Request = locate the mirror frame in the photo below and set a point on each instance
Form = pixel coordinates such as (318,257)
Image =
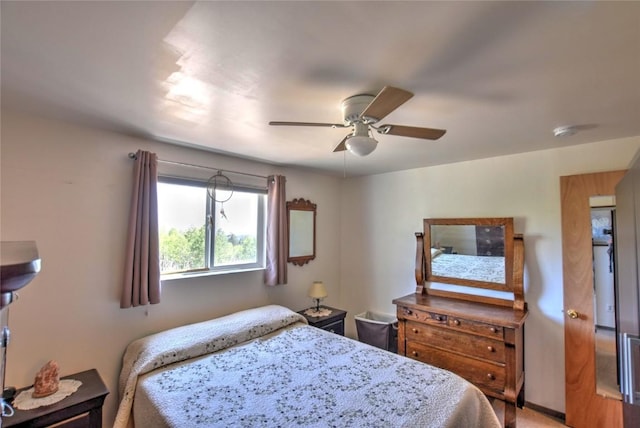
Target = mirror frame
(300,205)
(508,251)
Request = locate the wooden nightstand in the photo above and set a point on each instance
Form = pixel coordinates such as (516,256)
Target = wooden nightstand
(334,322)
(83,408)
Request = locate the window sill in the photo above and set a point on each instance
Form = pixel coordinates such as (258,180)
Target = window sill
(180,276)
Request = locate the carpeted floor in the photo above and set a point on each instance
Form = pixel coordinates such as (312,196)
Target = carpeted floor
(527,418)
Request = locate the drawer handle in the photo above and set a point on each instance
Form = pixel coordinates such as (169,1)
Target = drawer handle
(437,318)
(491,348)
(494,330)
(407,311)
(490,376)
(414,353)
(415,330)
(456,322)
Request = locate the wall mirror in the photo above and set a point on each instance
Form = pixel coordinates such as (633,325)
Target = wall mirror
(301,218)
(476,252)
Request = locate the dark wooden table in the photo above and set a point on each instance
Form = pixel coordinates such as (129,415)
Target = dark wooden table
(334,322)
(83,408)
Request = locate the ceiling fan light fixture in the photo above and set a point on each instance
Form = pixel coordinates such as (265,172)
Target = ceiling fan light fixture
(361,145)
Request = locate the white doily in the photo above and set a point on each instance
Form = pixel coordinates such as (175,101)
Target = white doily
(24,400)
(323,312)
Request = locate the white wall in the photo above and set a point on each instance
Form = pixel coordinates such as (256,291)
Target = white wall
(68,188)
(381,213)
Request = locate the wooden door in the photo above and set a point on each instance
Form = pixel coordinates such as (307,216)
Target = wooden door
(584,408)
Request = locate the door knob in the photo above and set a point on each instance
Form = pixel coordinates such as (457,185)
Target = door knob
(572,313)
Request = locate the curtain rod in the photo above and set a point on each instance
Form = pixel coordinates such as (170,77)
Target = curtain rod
(133,156)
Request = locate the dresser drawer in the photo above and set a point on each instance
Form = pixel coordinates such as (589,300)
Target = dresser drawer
(483,374)
(487,330)
(428,317)
(444,338)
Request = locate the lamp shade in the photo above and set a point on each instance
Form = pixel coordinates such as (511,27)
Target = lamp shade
(318,290)
(361,145)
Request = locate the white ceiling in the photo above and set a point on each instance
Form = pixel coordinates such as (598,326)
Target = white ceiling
(499,76)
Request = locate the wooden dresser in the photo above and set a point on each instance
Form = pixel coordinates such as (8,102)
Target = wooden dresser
(479,338)
(483,343)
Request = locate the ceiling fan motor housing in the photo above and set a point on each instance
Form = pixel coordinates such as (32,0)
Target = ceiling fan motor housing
(353,107)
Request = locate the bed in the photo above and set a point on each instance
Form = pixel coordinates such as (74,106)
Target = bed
(478,268)
(265,367)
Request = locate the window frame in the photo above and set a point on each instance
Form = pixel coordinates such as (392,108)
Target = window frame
(210,228)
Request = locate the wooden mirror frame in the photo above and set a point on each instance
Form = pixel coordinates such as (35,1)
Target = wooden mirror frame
(513,254)
(306,206)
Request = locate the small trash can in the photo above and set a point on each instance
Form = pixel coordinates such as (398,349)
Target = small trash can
(379,330)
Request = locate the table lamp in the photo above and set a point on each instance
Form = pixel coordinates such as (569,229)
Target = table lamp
(318,292)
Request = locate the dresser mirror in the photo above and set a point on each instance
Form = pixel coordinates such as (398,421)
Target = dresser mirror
(301,219)
(476,252)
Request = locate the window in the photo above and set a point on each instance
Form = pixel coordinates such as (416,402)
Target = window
(198,234)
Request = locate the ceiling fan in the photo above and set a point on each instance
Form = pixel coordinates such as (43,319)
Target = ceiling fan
(362,112)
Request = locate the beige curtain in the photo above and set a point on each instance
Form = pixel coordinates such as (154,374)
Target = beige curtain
(142,265)
(277,231)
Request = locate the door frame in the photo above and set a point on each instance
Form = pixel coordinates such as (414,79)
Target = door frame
(584,408)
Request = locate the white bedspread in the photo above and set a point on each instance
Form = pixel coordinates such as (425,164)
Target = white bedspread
(303,376)
(191,341)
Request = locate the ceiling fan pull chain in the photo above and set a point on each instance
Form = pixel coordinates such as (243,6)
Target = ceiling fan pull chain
(344,164)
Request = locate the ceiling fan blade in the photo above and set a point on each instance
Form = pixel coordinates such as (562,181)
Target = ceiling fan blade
(341,146)
(327,125)
(387,100)
(412,131)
